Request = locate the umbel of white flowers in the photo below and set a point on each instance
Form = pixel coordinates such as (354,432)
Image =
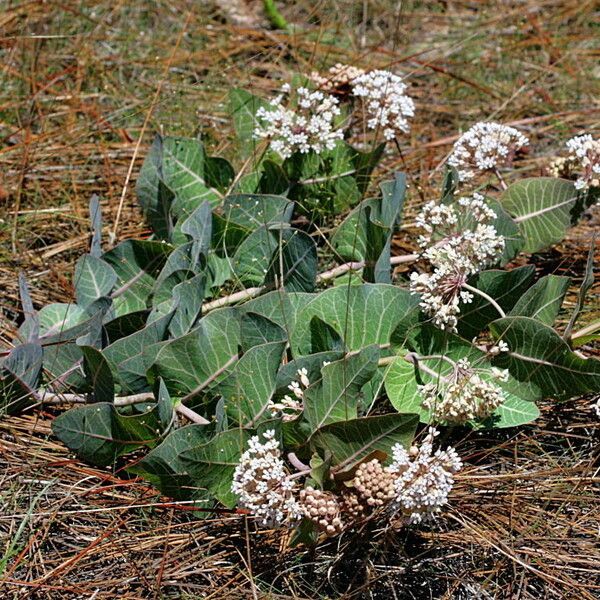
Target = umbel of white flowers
(311,126)
(485,147)
(424,478)
(584,151)
(415,485)
(386,104)
(459,240)
(262,482)
(464,394)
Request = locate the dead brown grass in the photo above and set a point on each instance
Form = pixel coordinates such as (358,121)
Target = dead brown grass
(84,86)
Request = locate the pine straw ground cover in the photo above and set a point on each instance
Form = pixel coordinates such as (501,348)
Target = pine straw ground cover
(84,86)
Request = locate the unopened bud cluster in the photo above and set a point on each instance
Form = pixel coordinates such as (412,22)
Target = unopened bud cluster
(458,241)
(374,483)
(323,509)
(338,79)
(485,147)
(416,485)
(464,395)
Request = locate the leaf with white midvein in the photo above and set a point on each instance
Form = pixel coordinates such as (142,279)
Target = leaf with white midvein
(251,383)
(360,314)
(211,465)
(335,397)
(93,279)
(541,207)
(543,300)
(348,442)
(183,172)
(538,355)
(188,361)
(505,287)
(137,264)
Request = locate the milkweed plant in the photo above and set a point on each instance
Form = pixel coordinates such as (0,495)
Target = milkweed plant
(259,353)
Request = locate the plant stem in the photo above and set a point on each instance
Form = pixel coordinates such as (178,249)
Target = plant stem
(500,179)
(190,414)
(51,398)
(587,330)
(275,17)
(466,286)
(297,463)
(338,271)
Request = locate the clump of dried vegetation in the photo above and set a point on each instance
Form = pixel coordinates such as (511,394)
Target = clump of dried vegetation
(84,86)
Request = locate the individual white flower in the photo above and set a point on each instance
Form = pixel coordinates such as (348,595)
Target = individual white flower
(498,348)
(585,152)
(288,408)
(458,241)
(308,127)
(463,395)
(295,388)
(263,485)
(386,105)
(596,407)
(485,147)
(303,375)
(424,478)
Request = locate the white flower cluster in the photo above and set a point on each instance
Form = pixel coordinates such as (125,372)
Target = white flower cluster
(263,485)
(485,147)
(338,79)
(386,104)
(464,395)
(457,243)
(311,126)
(423,478)
(290,407)
(585,151)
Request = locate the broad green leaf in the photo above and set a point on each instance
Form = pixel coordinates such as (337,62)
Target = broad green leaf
(154,196)
(242,108)
(183,171)
(211,465)
(57,318)
(586,285)
(538,355)
(128,359)
(198,227)
(505,287)
(163,466)
(279,306)
(360,314)
(93,279)
(312,363)
(125,325)
(137,264)
(29,330)
(19,377)
(404,395)
(98,375)
(98,433)
(366,233)
(335,397)
(251,383)
(252,211)
(273,179)
(348,442)
(256,329)
(541,207)
(188,361)
(187,305)
(253,257)
(506,227)
(543,300)
(96,226)
(295,262)
(218,173)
